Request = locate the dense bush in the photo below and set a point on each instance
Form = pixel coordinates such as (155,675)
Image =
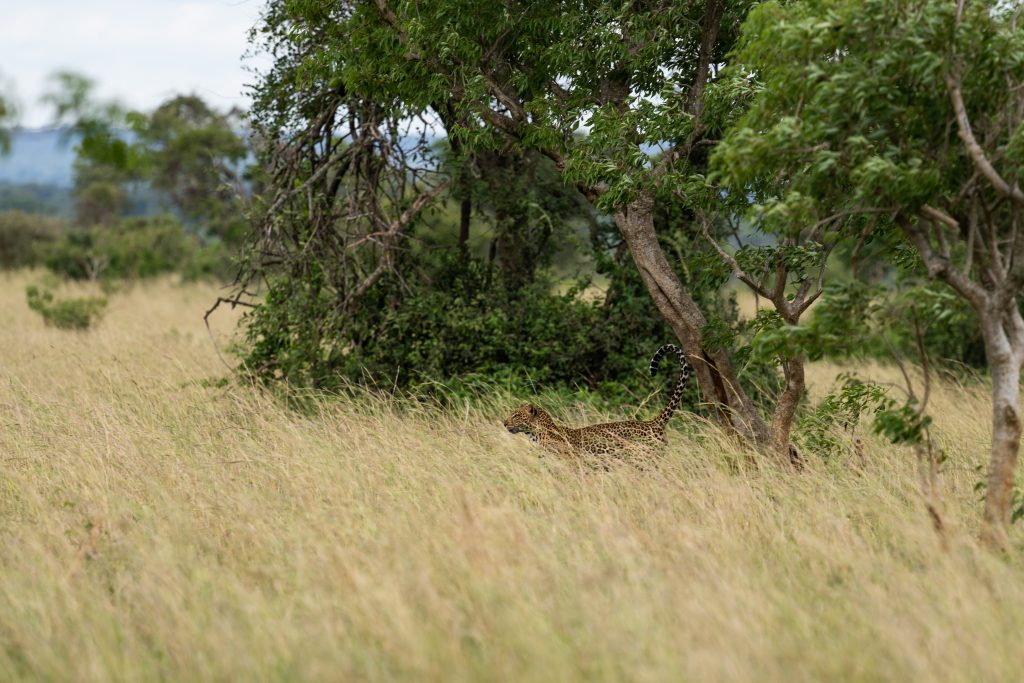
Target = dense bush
(69,314)
(23,236)
(134,248)
(460,324)
(458,327)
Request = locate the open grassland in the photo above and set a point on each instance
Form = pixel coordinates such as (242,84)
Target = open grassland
(153,526)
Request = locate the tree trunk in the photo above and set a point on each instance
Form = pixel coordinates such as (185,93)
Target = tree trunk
(928,480)
(465,216)
(785,410)
(719,384)
(1004,363)
(518,244)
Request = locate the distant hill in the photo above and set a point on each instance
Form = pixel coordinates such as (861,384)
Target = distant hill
(38,156)
(54,200)
(37,176)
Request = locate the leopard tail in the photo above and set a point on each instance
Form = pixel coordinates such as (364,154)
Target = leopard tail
(684,378)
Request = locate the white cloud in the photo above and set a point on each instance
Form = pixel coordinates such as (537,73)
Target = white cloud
(139,51)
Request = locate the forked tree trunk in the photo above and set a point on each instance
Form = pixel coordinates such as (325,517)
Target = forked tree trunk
(716,376)
(1004,362)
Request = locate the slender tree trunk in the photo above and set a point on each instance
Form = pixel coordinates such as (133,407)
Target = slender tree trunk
(1004,363)
(928,480)
(718,380)
(785,410)
(465,216)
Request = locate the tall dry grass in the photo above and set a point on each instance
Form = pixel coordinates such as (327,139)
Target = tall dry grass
(153,527)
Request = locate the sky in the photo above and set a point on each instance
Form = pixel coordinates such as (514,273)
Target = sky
(138,51)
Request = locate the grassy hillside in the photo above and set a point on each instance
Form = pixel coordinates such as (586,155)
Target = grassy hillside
(154,527)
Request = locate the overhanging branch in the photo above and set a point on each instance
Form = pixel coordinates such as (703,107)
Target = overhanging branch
(977,154)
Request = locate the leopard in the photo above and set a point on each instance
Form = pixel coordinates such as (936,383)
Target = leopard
(607,439)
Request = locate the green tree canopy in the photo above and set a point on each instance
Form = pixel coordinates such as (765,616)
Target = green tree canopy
(184,149)
(912,112)
(195,154)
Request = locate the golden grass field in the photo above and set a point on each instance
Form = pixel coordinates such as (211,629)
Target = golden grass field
(156,528)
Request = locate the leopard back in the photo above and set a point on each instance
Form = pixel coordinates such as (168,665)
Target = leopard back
(606,438)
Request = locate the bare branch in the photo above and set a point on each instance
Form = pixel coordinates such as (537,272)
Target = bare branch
(941,268)
(778,295)
(934,214)
(709,36)
(234,301)
(981,161)
(860,211)
(802,307)
(996,265)
(923,355)
(740,274)
(972,230)
(908,387)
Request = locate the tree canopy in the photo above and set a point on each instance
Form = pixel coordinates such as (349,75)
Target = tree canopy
(913,114)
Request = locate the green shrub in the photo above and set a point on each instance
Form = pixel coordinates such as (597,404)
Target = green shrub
(448,322)
(24,235)
(459,324)
(67,314)
(820,428)
(135,248)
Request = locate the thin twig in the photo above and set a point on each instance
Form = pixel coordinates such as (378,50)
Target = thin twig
(206,319)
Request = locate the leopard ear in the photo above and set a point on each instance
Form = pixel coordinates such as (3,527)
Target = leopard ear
(533,410)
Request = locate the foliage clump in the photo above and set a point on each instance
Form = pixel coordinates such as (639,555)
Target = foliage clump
(67,314)
(23,236)
(821,429)
(843,409)
(134,248)
(459,323)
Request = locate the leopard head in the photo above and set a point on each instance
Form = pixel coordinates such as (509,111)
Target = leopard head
(528,419)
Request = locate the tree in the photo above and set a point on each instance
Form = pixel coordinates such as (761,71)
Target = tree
(913,111)
(105,161)
(343,188)
(22,235)
(184,149)
(194,154)
(532,76)
(99,194)
(789,273)
(93,121)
